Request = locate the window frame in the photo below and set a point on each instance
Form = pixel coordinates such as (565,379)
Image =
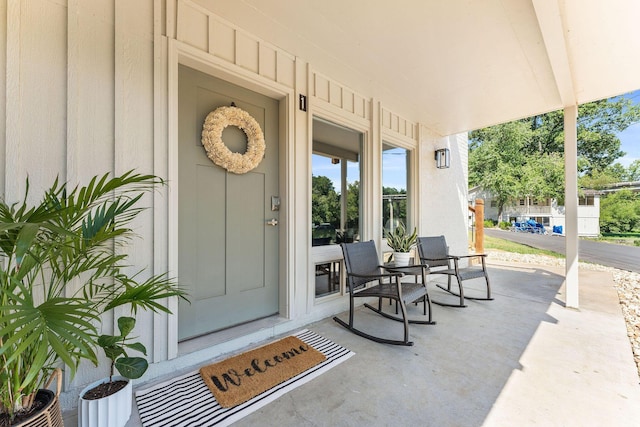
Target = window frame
(329,253)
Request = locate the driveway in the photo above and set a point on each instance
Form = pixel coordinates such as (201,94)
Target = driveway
(609,254)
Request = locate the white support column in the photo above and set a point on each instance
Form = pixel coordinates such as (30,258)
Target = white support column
(343,194)
(571,204)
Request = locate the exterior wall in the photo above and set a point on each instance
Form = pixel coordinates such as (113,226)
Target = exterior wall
(443,192)
(78,100)
(90,88)
(589,219)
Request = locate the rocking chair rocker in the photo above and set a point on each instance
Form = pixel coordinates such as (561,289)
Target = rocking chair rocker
(435,252)
(362,267)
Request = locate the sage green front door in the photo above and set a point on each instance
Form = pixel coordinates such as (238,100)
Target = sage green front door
(228,232)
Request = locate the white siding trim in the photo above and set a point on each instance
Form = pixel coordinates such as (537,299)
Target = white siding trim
(338,98)
(162,343)
(207,32)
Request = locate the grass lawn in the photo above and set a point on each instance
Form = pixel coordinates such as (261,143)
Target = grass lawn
(508,246)
(631,239)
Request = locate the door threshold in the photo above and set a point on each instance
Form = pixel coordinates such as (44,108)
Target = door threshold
(233,333)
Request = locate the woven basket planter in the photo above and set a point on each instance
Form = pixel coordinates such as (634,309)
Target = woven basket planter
(50,415)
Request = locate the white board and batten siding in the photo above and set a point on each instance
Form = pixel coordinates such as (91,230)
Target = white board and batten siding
(90,89)
(79,102)
(203,30)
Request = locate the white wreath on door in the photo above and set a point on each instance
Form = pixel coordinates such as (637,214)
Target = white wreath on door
(218,152)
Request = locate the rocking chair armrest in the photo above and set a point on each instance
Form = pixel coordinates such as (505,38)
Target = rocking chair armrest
(405,267)
(377,275)
(472,256)
(447,258)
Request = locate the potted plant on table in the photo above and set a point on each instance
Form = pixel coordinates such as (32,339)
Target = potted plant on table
(401,242)
(62,265)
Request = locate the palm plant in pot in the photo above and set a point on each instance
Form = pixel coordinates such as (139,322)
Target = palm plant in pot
(401,242)
(62,264)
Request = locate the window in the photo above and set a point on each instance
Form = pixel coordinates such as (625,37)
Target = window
(335,193)
(540,202)
(335,198)
(494,203)
(395,197)
(521,202)
(586,201)
(544,220)
(327,279)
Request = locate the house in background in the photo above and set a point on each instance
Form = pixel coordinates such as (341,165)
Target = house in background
(546,212)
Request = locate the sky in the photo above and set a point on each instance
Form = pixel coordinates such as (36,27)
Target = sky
(394,169)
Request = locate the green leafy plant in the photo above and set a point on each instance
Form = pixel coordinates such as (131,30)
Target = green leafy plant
(504,225)
(399,240)
(63,263)
(115,348)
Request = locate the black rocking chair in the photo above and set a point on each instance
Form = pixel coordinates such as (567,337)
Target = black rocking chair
(362,268)
(435,252)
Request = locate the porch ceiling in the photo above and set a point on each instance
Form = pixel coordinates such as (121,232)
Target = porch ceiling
(461,64)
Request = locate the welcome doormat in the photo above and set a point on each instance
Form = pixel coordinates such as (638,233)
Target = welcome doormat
(236,380)
(187,401)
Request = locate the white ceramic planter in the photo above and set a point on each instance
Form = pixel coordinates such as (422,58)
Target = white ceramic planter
(111,411)
(401,258)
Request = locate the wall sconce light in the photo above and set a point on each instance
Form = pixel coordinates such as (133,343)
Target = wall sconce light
(443,158)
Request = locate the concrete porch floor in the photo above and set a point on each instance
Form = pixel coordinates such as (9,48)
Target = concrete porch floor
(522,359)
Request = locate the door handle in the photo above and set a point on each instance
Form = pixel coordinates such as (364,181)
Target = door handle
(272,222)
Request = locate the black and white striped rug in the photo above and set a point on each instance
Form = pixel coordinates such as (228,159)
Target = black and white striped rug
(186,400)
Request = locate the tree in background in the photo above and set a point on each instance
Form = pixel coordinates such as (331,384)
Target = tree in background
(399,206)
(598,180)
(633,171)
(599,123)
(353,206)
(526,157)
(620,212)
(543,176)
(325,201)
(497,158)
